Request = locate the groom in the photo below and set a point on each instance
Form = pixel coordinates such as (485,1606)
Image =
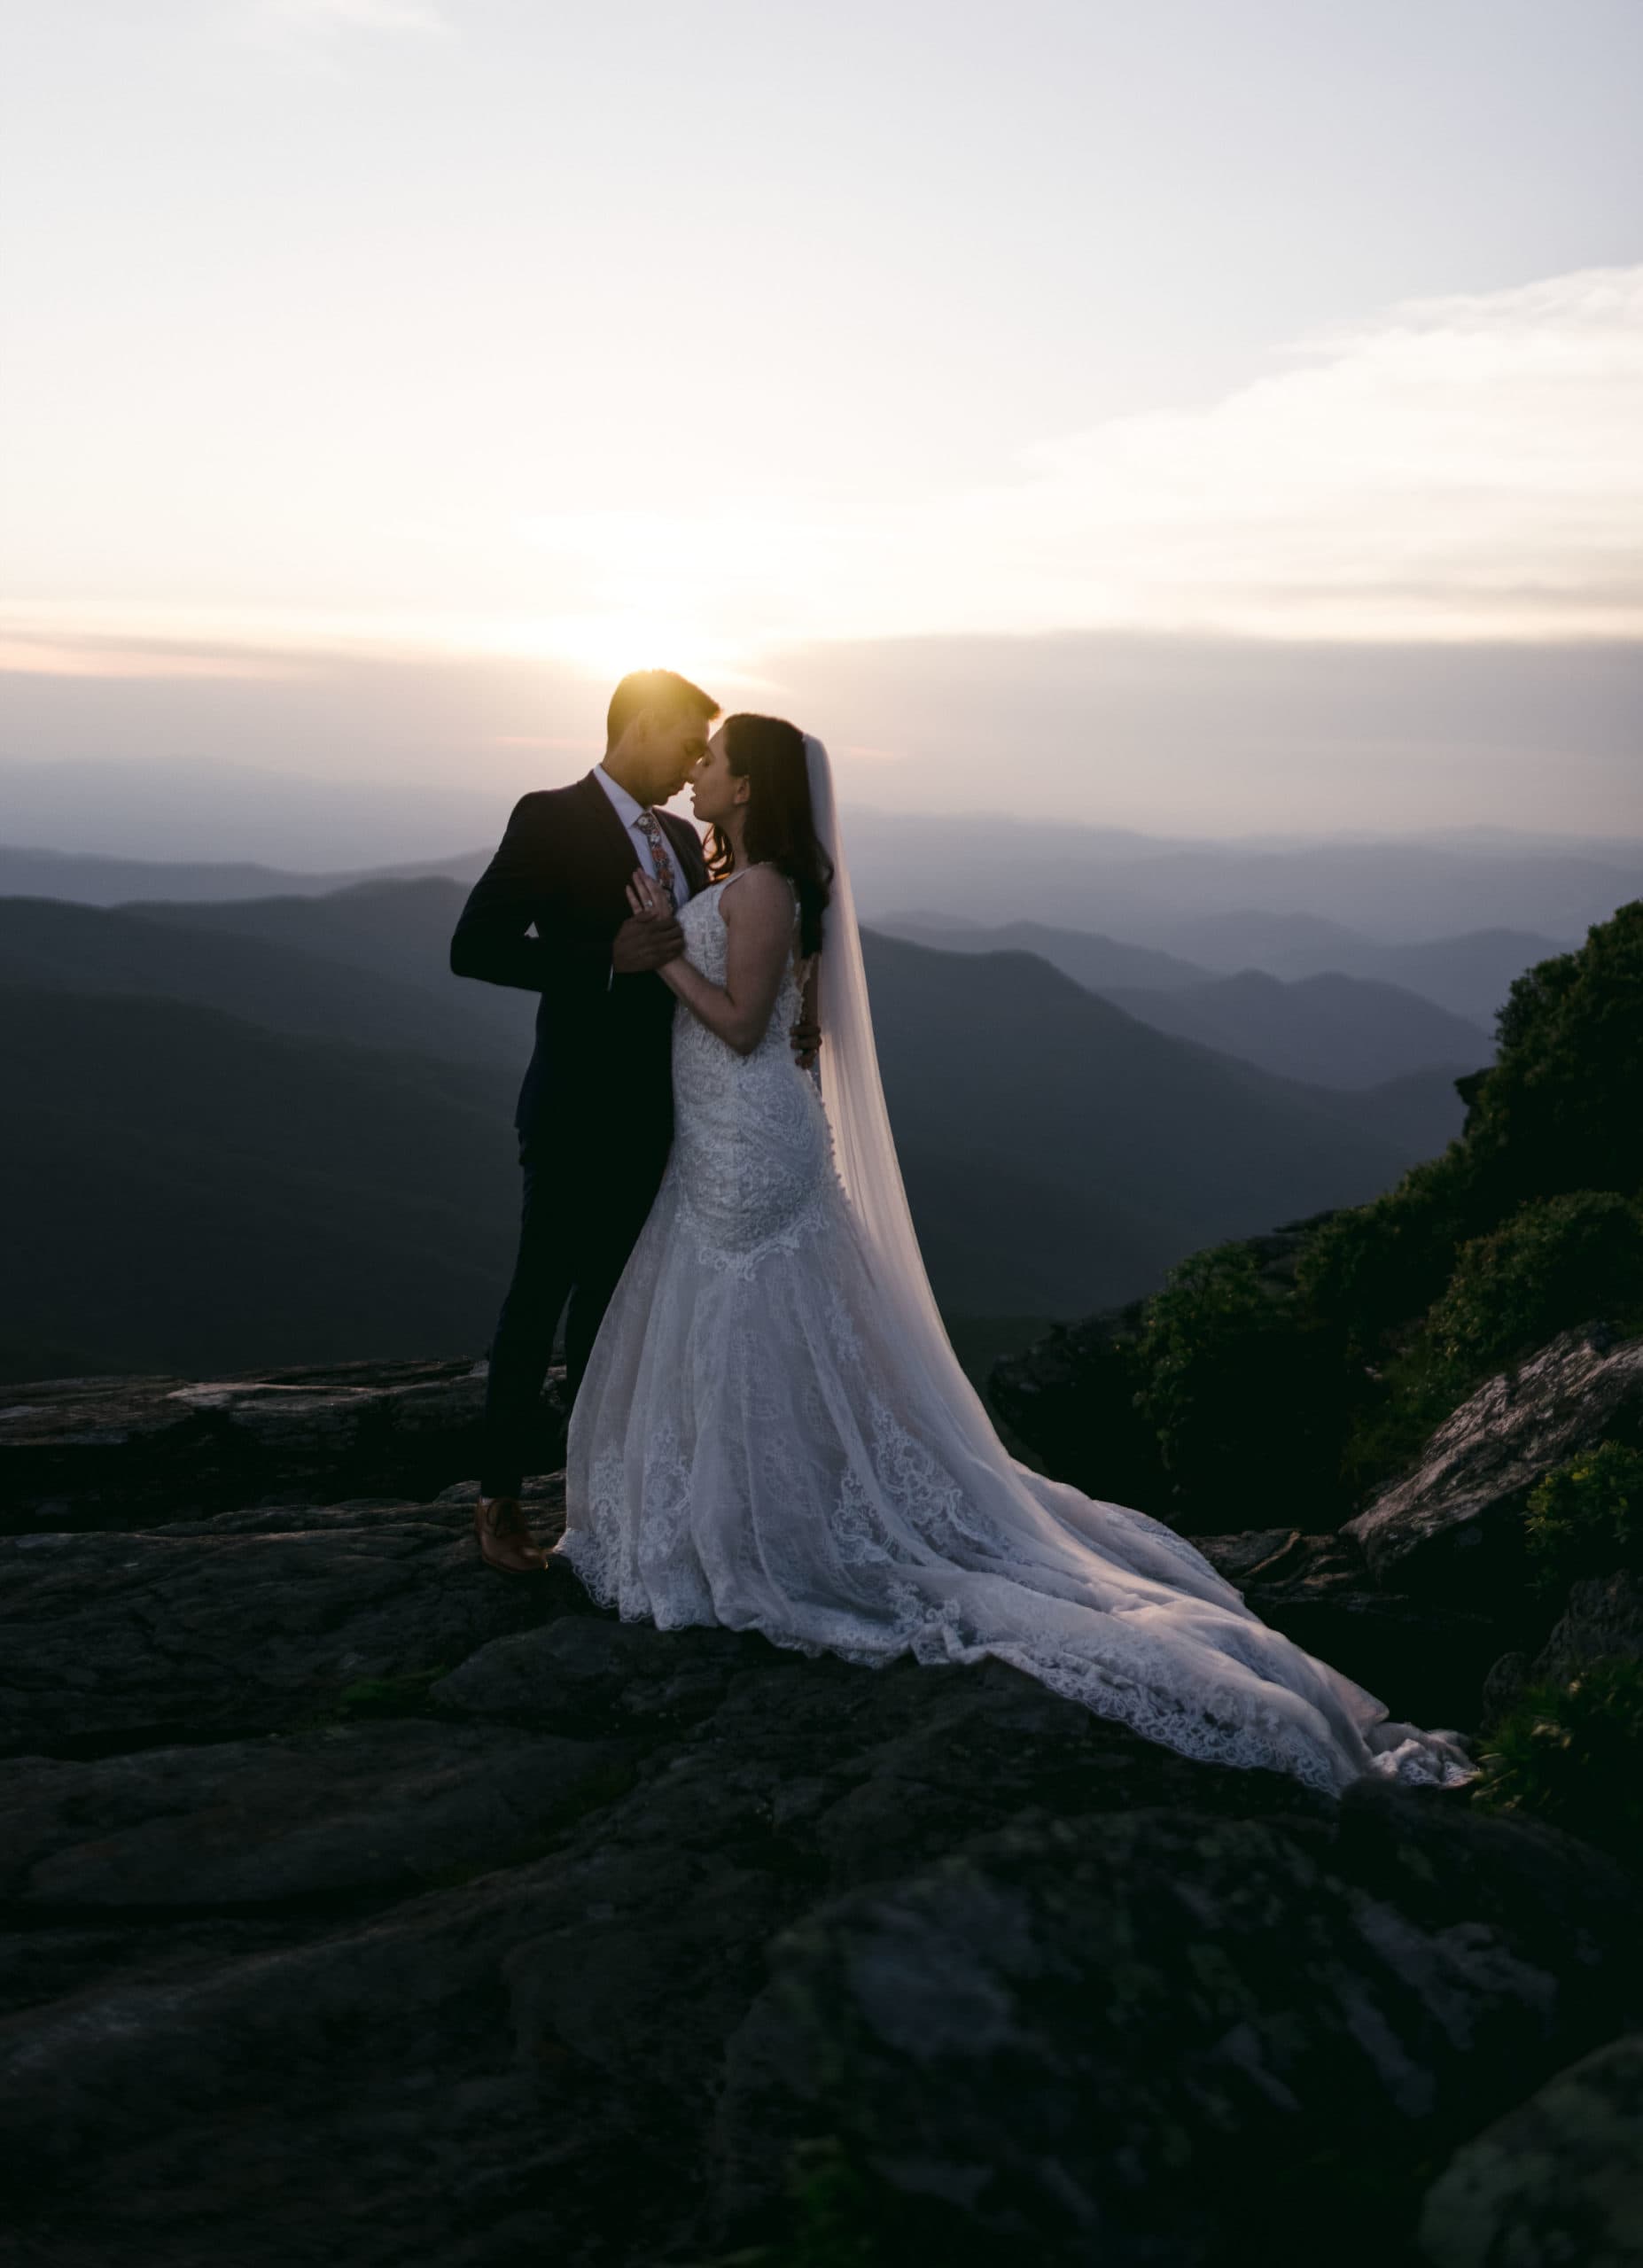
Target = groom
(595,1114)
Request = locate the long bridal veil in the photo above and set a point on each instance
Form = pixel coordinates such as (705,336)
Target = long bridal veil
(852,1096)
(1145,1577)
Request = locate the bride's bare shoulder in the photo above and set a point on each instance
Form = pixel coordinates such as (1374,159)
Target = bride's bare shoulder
(756,894)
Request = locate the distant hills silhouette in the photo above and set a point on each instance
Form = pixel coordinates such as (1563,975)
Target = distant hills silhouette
(196,1192)
(1231,906)
(1296,908)
(278,1129)
(254,1118)
(285,987)
(1049,1137)
(1339,1030)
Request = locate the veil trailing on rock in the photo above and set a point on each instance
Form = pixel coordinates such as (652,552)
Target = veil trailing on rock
(1045,1522)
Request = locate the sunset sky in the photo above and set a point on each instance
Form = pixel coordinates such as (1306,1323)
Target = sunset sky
(1238,401)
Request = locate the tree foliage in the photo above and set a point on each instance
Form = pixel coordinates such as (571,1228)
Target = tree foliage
(1556,1262)
(1586,1518)
(1230,1361)
(1276,1395)
(1559,1111)
(1573,1755)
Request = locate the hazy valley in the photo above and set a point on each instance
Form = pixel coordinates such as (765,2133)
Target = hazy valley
(261,1121)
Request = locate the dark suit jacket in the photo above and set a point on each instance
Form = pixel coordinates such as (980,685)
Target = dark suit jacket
(601,1071)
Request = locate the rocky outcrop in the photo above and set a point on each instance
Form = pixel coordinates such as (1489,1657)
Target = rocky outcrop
(1558,2183)
(1451,1530)
(256,1621)
(91,1453)
(365,1810)
(1098,2038)
(1602,1621)
(361,1904)
(1425,1660)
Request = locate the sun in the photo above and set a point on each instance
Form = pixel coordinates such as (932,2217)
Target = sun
(626,590)
(611,642)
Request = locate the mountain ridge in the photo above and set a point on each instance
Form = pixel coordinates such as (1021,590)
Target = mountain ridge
(207,1186)
(1000,869)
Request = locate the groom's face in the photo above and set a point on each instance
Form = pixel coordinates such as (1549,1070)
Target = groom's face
(671,748)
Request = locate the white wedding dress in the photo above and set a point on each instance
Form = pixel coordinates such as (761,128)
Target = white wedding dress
(773,1434)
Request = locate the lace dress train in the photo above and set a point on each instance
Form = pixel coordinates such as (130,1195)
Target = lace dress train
(754,1445)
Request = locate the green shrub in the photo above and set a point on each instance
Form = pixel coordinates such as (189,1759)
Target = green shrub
(1586,1518)
(1562,1109)
(1527,1017)
(1284,1400)
(1073,1405)
(1391,1428)
(1372,1269)
(1573,1755)
(1559,1113)
(1561,1261)
(1246,1396)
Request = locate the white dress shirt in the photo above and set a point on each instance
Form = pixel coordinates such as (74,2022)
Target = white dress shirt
(627,809)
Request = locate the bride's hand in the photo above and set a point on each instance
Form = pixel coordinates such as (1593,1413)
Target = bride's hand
(651,938)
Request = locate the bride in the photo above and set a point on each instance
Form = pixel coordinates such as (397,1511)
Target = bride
(773,1432)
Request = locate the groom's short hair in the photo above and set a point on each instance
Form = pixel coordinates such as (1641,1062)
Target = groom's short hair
(662,690)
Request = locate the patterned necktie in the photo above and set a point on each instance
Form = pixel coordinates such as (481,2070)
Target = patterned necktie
(650,827)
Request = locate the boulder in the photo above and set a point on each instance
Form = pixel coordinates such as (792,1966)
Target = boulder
(1503,1689)
(1451,1530)
(1128,2038)
(1557,2183)
(1602,1622)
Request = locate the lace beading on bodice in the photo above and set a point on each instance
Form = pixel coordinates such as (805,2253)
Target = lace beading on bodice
(752,1155)
(707,946)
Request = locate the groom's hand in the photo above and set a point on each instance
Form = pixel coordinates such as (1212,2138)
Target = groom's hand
(805,1037)
(645,942)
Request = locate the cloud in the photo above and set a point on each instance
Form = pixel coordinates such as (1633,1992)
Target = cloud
(1463,468)
(1468,466)
(76,656)
(1468,469)
(299,22)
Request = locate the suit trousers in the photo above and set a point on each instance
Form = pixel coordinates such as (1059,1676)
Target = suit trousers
(580,1218)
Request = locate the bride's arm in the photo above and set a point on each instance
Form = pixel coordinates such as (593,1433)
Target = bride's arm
(758,915)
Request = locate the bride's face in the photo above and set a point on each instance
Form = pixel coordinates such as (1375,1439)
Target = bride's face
(716,790)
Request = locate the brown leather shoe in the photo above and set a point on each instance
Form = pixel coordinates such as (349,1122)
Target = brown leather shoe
(504,1536)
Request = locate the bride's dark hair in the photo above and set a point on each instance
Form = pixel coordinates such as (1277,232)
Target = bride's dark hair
(769,754)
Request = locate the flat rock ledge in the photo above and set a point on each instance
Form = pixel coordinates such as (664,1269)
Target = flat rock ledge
(362,1905)
(115,1452)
